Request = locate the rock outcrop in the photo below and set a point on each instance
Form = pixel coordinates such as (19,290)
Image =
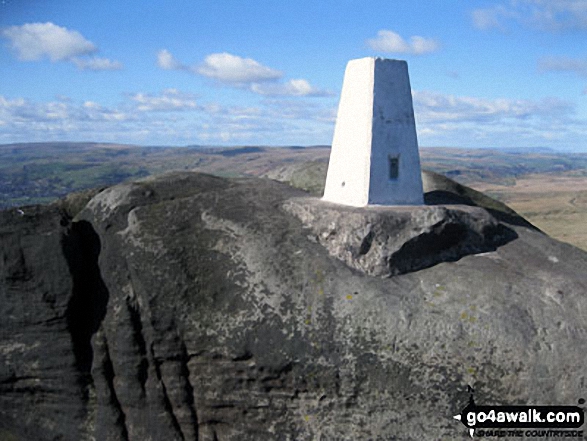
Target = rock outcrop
(190,307)
(387,241)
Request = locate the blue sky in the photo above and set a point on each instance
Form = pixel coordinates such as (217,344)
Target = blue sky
(500,73)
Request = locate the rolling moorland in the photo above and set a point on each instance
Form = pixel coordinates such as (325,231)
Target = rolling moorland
(546,187)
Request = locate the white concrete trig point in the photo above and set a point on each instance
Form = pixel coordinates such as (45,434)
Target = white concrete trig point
(374,157)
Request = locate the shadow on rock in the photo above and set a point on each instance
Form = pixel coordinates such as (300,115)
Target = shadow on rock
(448,241)
(89,300)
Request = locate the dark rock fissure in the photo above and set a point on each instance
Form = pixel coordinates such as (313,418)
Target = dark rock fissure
(366,243)
(13,379)
(137,330)
(166,401)
(114,401)
(185,372)
(87,307)
(443,237)
(17,270)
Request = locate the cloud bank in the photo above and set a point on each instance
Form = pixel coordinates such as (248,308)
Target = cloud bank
(177,117)
(437,107)
(481,122)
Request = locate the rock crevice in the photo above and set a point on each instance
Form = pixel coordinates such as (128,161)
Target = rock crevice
(88,303)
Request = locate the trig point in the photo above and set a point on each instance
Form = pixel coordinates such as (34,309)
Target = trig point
(374,157)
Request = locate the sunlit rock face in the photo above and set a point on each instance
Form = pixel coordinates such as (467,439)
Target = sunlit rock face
(374,157)
(190,307)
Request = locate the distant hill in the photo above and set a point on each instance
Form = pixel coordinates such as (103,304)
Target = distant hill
(43,172)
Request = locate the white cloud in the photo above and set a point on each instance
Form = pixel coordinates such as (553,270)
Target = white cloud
(297,87)
(389,41)
(490,18)
(550,15)
(169,100)
(166,61)
(563,64)
(232,69)
(33,41)
(96,64)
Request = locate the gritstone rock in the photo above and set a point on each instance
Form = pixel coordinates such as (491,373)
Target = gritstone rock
(190,307)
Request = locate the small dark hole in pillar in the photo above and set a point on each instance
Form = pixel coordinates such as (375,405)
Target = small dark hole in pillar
(342,185)
(393,167)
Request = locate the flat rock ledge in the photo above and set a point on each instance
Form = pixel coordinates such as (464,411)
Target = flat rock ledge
(386,241)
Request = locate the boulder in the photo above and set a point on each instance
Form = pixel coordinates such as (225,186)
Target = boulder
(191,307)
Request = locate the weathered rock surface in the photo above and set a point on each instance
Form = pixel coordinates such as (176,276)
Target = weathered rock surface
(189,307)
